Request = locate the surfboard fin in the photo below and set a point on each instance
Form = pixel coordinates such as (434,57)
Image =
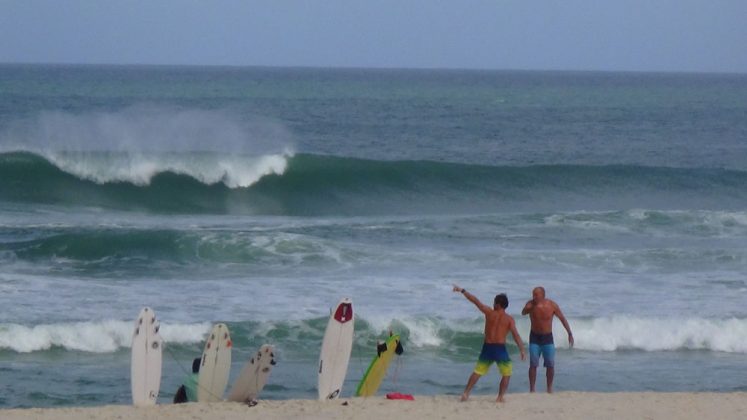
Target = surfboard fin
(380,348)
(399,350)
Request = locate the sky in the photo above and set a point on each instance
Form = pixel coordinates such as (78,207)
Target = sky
(611,35)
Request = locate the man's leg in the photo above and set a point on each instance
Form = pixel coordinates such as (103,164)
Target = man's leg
(532,377)
(470,383)
(534,354)
(548,354)
(506,369)
(502,388)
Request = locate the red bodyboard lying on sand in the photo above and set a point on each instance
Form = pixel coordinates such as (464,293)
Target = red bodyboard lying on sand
(398,396)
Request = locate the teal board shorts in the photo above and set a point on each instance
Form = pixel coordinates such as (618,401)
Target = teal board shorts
(541,345)
(494,353)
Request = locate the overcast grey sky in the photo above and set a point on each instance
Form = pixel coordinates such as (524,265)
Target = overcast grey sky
(639,35)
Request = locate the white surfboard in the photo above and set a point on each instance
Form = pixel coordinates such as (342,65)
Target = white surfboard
(215,365)
(145,366)
(253,376)
(336,347)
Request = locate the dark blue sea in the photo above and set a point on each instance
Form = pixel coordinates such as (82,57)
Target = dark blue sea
(259,197)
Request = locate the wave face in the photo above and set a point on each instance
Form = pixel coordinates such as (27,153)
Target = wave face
(280,184)
(449,338)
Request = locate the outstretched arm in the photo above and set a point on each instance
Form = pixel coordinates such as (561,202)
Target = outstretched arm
(472,298)
(517,339)
(564,321)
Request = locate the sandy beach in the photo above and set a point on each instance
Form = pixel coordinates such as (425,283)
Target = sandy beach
(564,405)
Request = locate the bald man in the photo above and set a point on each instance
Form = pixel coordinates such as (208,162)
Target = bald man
(541,312)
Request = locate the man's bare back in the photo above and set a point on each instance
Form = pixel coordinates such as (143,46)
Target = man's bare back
(497,326)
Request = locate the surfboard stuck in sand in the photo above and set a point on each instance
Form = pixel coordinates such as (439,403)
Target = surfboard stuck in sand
(145,364)
(215,365)
(336,347)
(254,375)
(376,371)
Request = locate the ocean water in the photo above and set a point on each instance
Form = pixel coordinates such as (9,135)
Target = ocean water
(260,196)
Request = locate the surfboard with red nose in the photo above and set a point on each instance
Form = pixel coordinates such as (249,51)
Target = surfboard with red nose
(336,347)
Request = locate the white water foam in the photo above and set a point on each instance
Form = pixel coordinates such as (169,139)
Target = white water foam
(584,221)
(709,223)
(422,331)
(600,334)
(95,337)
(139,169)
(654,334)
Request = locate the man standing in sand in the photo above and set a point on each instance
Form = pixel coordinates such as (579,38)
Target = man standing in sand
(541,312)
(497,325)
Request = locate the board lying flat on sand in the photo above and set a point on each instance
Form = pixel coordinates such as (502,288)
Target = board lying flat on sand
(145,365)
(377,369)
(253,376)
(215,365)
(336,347)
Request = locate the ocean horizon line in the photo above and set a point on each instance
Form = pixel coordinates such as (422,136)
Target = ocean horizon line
(569,71)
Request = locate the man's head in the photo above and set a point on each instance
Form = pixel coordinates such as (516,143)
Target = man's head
(501,301)
(538,294)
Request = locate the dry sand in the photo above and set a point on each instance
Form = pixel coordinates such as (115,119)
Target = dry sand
(564,405)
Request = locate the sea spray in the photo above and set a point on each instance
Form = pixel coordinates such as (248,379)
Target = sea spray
(147,128)
(136,143)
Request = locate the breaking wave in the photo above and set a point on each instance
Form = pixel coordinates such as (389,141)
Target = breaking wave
(281,184)
(450,338)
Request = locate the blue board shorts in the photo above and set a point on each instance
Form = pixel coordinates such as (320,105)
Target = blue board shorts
(494,353)
(541,345)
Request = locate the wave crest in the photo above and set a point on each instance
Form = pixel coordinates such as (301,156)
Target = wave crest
(95,337)
(140,169)
(452,338)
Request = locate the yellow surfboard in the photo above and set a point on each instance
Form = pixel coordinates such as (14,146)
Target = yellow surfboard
(377,369)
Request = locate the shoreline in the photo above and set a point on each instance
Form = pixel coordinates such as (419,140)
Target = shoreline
(561,405)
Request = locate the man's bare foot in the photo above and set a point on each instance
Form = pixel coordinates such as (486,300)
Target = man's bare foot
(500,399)
(464,397)
(549,390)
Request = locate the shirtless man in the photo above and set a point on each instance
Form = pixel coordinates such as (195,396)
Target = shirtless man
(541,312)
(497,325)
